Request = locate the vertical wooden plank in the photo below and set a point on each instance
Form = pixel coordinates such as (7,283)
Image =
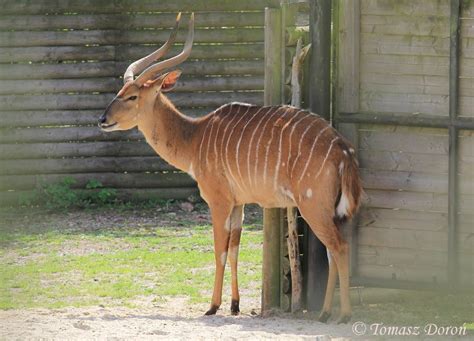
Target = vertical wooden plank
(453,142)
(319,102)
(348,51)
(320,57)
(347,47)
(271,217)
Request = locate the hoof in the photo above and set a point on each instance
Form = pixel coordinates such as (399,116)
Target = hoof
(234,307)
(324,316)
(212,310)
(344,319)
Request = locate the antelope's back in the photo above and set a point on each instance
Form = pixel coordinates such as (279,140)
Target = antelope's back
(261,149)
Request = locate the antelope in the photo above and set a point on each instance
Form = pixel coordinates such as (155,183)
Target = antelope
(276,156)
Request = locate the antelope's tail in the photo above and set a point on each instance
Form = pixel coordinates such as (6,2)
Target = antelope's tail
(351,187)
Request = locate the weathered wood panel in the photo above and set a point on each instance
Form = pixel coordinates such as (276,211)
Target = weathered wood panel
(116,69)
(65,134)
(401,238)
(402,257)
(407,200)
(84,165)
(404,67)
(465,219)
(186,84)
(62,62)
(404,57)
(466,61)
(413,140)
(124,6)
(406,181)
(126,21)
(106,37)
(97,101)
(416,274)
(111,180)
(123,52)
(49,118)
(75,149)
(403,225)
(420,8)
(403,219)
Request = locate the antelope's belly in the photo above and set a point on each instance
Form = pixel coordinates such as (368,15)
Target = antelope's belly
(266,197)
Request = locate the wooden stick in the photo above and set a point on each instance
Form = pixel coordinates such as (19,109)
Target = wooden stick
(295,262)
(293,247)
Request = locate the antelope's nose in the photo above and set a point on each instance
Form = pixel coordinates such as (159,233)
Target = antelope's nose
(102,120)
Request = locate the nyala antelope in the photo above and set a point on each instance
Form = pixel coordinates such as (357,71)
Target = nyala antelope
(276,156)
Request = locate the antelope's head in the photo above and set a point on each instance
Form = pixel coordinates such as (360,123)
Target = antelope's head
(137,93)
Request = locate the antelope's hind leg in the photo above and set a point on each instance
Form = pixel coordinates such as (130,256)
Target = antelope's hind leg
(320,219)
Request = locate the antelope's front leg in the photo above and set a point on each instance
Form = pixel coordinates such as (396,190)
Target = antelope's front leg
(221,229)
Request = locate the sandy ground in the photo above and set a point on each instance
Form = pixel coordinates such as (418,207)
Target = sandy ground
(176,319)
(173,320)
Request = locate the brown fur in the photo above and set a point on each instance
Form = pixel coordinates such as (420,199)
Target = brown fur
(275,156)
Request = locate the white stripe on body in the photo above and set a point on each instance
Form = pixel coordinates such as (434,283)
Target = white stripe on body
(237,148)
(251,140)
(326,157)
(210,140)
(265,164)
(277,166)
(291,136)
(301,143)
(258,144)
(311,153)
(227,151)
(203,137)
(215,138)
(221,154)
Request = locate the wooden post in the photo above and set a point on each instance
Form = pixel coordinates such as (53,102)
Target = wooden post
(454,49)
(319,102)
(271,217)
(347,48)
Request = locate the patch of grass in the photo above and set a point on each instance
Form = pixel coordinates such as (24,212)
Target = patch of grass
(57,268)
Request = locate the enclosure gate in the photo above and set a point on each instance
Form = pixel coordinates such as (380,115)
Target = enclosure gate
(402,91)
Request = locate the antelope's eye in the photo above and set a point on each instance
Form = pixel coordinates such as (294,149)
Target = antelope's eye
(132,98)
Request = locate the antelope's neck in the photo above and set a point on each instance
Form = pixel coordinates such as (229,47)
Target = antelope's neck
(170,133)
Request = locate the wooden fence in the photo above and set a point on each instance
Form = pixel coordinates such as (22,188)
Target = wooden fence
(61,62)
(402,90)
(406,78)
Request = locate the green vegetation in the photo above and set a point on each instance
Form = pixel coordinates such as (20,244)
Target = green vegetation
(113,265)
(140,256)
(61,195)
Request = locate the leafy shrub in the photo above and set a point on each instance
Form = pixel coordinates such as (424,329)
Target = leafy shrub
(98,194)
(58,195)
(61,195)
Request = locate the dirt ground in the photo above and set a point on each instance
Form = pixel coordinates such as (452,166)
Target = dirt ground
(175,320)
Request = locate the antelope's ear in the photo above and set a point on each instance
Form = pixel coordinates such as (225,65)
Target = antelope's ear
(165,82)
